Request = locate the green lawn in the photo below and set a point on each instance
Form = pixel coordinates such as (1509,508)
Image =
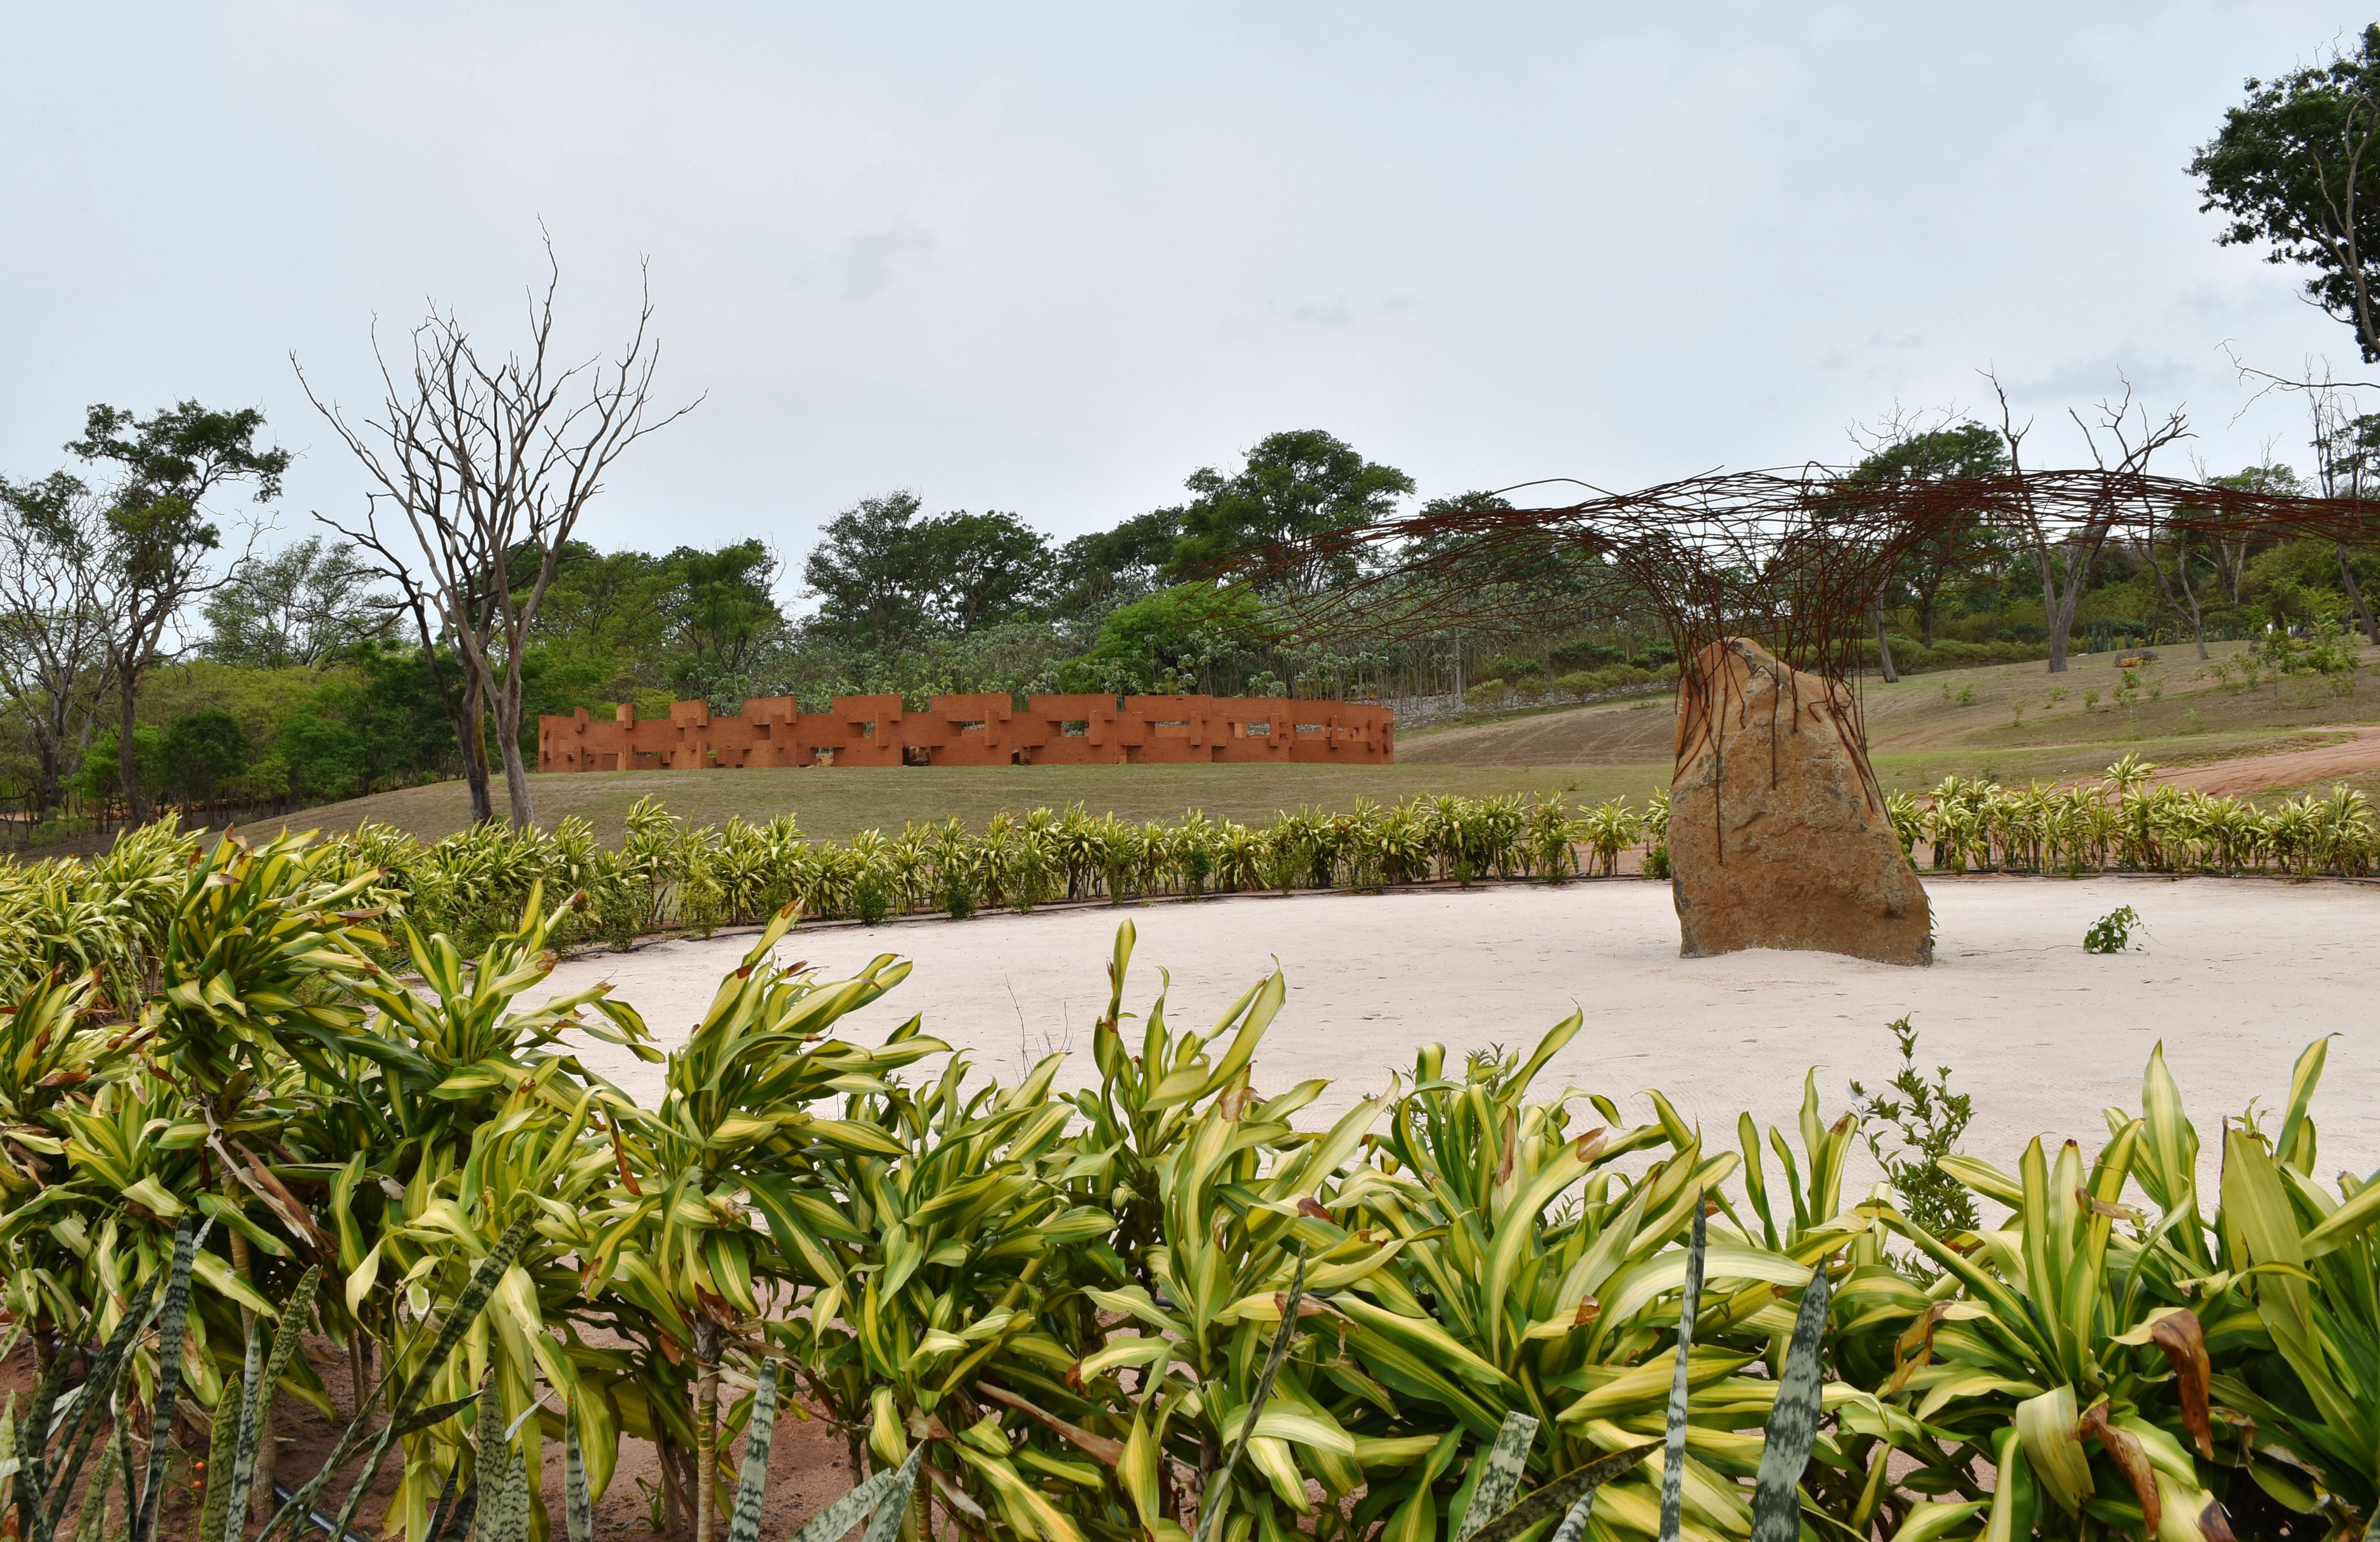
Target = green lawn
(837,804)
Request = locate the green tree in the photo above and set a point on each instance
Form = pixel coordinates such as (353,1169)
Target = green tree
(2288,171)
(1294,486)
(102,775)
(979,570)
(161,535)
(608,611)
(204,750)
(2347,448)
(306,604)
(884,577)
(327,758)
(1164,643)
(860,572)
(1094,574)
(721,614)
(1953,547)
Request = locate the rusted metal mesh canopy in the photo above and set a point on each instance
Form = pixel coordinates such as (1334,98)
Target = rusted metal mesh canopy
(1793,559)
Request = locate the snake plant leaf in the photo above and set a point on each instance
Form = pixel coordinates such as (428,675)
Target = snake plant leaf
(1793,1423)
(752,1478)
(1499,1479)
(889,1489)
(223,1438)
(1574,1523)
(256,1396)
(80,1427)
(436,1414)
(1673,1445)
(1558,1497)
(506,1516)
(94,1499)
(170,1320)
(448,1493)
(577,1505)
(32,1476)
(466,1309)
(885,1525)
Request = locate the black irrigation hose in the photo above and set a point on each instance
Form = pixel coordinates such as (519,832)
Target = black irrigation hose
(283,1494)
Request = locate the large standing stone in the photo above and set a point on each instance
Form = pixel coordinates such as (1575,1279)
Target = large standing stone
(1779,836)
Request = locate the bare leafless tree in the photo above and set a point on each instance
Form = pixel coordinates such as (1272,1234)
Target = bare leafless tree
(489,466)
(2061,548)
(54,626)
(2347,464)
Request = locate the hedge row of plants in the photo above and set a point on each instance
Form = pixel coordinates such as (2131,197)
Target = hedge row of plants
(667,876)
(2129,821)
(1163,1302)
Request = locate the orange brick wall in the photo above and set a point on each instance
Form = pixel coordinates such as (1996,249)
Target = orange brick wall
(976,731)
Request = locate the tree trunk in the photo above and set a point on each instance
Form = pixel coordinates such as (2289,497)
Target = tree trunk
(2355,595)
(473,726)
(2187,607)
(2060,607)
(706,1450)
(2059,617)
(676,1521)
(1884,648)
(128,765)
(515,770)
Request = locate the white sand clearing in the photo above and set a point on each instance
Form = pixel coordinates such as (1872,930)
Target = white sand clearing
(2234,977)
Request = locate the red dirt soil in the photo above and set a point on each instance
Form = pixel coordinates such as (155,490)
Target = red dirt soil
(2251,775)
(807,1462)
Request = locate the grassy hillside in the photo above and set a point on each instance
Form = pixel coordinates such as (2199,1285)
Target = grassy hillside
(838,804)
(1964,721)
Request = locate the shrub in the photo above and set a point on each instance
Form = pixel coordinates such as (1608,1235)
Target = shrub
(1448,1299)
(2111,933)
(1924,1124)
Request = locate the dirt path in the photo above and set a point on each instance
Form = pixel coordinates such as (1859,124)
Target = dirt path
(2251,775)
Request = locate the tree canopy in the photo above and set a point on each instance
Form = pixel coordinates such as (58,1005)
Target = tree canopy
(1293,486)
(1952,550)
(2290,170)
(884,576)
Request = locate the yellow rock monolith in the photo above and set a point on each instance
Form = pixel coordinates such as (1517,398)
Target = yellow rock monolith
(1779,836)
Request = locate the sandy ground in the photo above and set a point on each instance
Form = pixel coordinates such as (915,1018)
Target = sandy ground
(2252,775)
(2234,977)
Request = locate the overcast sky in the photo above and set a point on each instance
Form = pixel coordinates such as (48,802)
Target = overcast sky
(1051,258)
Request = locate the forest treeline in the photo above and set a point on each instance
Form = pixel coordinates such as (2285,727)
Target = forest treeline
(297,675)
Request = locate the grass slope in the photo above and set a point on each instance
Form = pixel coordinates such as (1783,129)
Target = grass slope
(1963,722)
(1921,729)
(838,804)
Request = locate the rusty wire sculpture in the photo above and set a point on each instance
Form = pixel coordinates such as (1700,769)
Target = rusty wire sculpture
(1795,560)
